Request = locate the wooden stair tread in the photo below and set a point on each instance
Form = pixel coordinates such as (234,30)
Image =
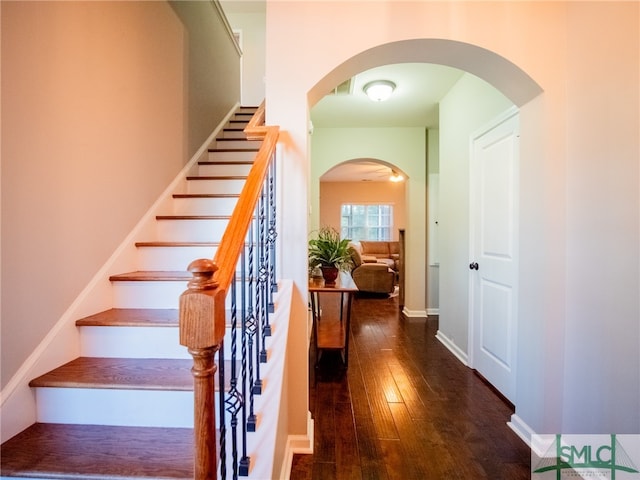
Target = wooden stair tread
(233,149)
(177,244)
(99,452)
(224,139)
(192,217)
(153,276)
(238,162)
(120,373)
(131,317)
(206,195)
(218,177)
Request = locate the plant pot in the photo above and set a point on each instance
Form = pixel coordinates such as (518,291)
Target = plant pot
(329,274)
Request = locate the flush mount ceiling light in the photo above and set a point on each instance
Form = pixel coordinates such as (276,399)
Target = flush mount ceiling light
(395,176)
(379,90)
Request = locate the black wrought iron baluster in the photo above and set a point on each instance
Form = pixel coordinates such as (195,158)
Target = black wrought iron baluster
(257,385)
(263,274)
(272,235)
(245,461)
(250,331)
(222,423)
(234,398)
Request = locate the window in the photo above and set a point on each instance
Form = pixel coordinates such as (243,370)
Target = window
(366,222)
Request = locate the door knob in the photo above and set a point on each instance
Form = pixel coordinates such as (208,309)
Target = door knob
(473,266)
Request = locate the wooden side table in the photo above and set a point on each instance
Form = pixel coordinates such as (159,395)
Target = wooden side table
(332,322)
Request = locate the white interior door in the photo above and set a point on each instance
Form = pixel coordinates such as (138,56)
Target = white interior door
(494,256)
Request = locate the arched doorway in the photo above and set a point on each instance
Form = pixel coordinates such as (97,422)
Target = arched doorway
(363,181)
(512,87)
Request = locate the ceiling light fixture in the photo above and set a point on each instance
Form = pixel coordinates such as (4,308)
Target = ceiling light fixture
(379,90)
(395,176)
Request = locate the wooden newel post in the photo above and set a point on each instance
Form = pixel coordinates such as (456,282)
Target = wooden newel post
(201,331)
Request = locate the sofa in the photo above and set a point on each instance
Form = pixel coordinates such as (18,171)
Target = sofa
(381,252)
(371,276)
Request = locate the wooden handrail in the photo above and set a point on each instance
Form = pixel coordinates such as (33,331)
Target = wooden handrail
(202,305)
(236,232)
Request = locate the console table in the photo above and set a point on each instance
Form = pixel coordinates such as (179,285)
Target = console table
(332,319)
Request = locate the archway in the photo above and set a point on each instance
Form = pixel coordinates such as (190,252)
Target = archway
(498,73)
(363,181)
(496,70)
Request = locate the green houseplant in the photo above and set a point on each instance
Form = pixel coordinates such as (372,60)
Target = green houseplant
(329,252)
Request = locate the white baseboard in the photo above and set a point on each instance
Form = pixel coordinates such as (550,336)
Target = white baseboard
(453,348)
(524,431)
(414,313)
(433,311)
(300,444)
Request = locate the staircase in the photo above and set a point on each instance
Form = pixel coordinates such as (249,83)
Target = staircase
(124,408)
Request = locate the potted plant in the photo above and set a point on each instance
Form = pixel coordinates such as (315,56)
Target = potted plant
(329,252)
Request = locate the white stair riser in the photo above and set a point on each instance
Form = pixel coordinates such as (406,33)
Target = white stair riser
(147,294)
(120,407)
(215,186)
(144,408)
(204,206)
(140,342)
(224,169)
(238,144)
(131,342)
(233,134)
(171,258)
(231,155)
(150,294)
(191,230)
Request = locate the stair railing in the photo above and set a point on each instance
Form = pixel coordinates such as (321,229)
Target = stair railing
(235,288)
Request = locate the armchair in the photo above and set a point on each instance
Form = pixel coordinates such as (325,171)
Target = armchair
(371,277)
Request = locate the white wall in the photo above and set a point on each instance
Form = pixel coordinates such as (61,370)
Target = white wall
(468,106)
(334,194)
(433,230)
(602,345)
(533,52)
(249,19)
(403,147)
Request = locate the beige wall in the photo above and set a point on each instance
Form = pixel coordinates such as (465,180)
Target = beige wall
(102,104)
(468,106)
(334,194)
(211,70)
(406,150)
(579,355)
(249,19)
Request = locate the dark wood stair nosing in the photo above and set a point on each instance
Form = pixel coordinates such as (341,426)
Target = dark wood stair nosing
(193,217)
(132,317)
(175,244)
(152,276)
(217,177)
(206,195)
(109,373)
(225,162)
(119,374)
(233,150)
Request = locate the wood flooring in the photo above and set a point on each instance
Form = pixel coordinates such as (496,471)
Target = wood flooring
(405,408)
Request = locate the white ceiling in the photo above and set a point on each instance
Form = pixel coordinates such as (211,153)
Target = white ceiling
(414,103)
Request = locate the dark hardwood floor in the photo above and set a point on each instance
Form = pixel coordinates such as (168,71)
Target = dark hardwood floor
(405,408)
